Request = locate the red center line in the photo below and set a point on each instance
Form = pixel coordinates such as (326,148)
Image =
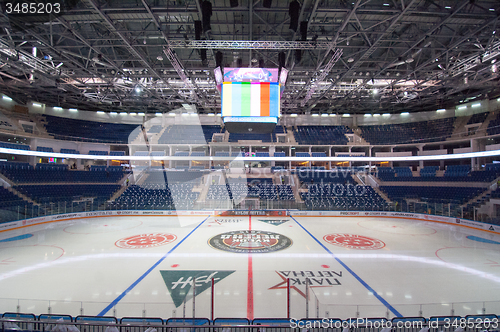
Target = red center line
(250,279)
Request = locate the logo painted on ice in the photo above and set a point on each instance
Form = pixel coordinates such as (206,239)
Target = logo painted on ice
(250,241)
(275,222)
(353,241)
(145,240)
(179,283)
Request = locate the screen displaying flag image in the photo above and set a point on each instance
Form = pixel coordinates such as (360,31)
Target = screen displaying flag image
(250,99)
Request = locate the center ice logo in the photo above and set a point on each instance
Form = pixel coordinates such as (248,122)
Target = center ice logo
(250,241)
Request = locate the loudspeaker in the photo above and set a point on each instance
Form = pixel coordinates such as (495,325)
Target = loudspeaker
(267,3)
(298,56)
(197,30)
(203,55)
(233,3)
(218,59)
(206,12)
(281,59)
(261,63)
(294,12)
(239,63)
(303,30)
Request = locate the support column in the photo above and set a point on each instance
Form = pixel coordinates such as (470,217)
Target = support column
(441,162)
(391,164)
(329,155)
(420,162)
(170,154)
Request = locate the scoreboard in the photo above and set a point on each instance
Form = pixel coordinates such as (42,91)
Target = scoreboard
(250,99)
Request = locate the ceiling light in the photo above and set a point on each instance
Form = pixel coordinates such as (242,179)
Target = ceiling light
(159,58)
(441,110)
(73,110)
(140,113)
(57,108)
(158,114)
(375,91)
(368,115)
(218,114)
(113,113)
(123,113)
(346,115)
(293,115)
(210,114)
(324,115)
(59,65)
(193,114)
(492,9)
(138,88)
(350,60)
(185,114)
(171,114)
(133,113)
(333,114)
(100,112)
(376,115)
(6,98)
(447,7)
(386,4)
(386,114)
(37,105)
(476,105)
(315,115)
(405,113)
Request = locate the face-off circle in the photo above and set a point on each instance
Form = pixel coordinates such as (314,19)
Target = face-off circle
(145,240)
(250,241)
(353,241)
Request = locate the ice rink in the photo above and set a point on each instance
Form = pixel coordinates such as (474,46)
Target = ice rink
(144,266)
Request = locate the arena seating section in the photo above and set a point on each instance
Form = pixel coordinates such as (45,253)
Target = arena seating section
(14,207)
(262,188)
(188,134)
(48,173)
(155,129)
(321,135)
(55,183)
(161,190)
(62,128)
(44,149)
(494,126)
(413,132)
(453,173)
(67,192)
(337,190)
(432,194)
(15,146)
(477,118)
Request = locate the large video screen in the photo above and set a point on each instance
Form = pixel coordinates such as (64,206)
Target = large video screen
(250,99)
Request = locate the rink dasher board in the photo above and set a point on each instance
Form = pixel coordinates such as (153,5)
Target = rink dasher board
(15,225)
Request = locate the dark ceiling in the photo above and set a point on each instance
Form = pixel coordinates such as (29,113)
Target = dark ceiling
(356,56)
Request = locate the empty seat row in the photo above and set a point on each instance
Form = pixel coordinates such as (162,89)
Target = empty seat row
(412,132)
